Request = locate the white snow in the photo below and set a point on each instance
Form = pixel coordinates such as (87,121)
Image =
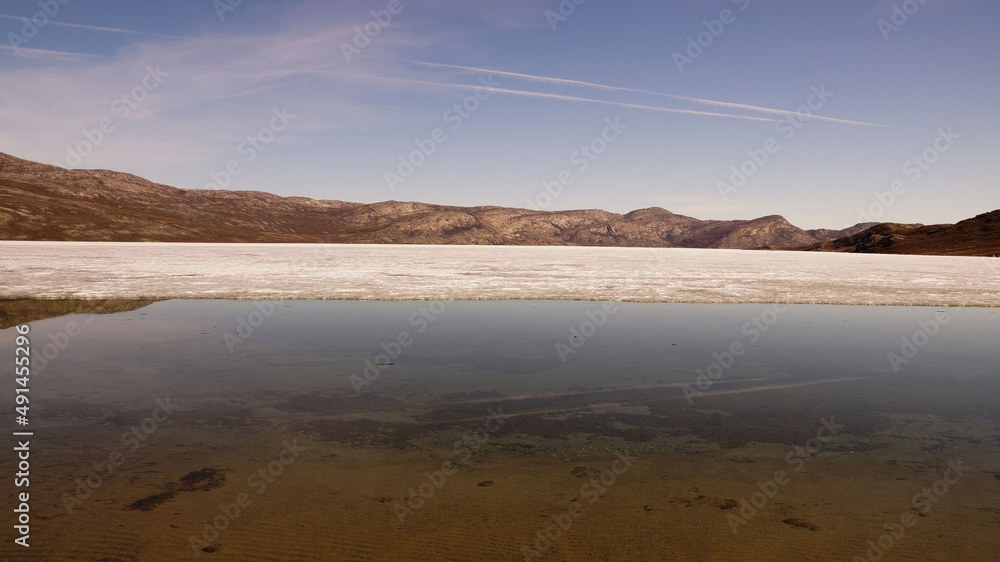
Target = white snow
(409,272)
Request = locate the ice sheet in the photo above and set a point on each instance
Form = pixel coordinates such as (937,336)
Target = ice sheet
(411,272)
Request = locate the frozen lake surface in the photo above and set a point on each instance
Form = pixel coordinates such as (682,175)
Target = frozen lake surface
(88,270)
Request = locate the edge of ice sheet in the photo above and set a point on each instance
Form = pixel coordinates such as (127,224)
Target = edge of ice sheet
(130,270)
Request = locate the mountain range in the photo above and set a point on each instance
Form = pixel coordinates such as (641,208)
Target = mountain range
(978,236)
(44,202)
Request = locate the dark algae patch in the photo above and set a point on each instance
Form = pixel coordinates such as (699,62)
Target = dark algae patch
(149,503)
(198,480)
(204,480)
(801,523)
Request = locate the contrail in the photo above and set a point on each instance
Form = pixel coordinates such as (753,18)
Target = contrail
(25,51)
(527,93)
(782,386)
(586,392)
(93,27)
(628,105)
(647,401)
(565,82)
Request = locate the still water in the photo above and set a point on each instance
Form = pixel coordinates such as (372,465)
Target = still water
(507,430)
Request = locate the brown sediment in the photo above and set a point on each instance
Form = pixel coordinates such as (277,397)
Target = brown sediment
(337,501)
(364,432)
(340,495)
(341,403)
(695,467)
(790,416)
(724,504)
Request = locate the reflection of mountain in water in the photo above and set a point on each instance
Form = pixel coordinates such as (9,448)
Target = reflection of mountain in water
(20,311)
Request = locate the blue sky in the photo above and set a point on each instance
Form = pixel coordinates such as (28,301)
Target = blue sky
(289,97)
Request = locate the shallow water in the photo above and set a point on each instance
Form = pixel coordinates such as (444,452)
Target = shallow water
(355,455)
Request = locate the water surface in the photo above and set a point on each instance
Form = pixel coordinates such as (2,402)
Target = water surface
(484,386)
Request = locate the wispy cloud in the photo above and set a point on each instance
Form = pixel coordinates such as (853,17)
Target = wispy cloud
(218,88)
(222,85)
(509,14)
(93,27)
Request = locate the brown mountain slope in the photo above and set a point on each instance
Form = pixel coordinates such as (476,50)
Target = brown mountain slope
(978,236)
(834,234)
(42,202)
